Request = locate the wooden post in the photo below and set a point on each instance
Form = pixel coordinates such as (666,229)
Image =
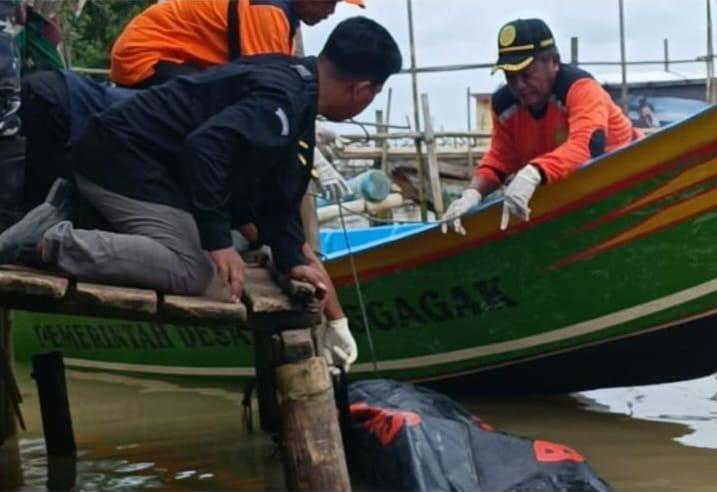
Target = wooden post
(416,112)
(48,370)
(433,172)
(313,450)
(265,362)
(380,128)
(384,143)
(10,465)
(8,427)
(623,62)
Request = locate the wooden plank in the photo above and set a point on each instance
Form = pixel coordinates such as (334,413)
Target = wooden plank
(263,294)
(268,291)
(201,308)
(406,153)
(32,284)
(124,298)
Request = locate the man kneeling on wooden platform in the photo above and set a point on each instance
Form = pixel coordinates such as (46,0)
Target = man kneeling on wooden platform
(171,169)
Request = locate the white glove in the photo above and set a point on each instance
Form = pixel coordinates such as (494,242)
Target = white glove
(470,198)
(333,184)
(337,345)
(328,142)
(518,194)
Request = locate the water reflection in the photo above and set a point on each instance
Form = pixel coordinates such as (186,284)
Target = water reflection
(690,403)
(136,433)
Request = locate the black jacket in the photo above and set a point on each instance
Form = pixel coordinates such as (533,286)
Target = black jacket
(235,139)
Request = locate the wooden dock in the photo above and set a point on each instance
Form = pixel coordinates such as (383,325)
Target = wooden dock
(295,392)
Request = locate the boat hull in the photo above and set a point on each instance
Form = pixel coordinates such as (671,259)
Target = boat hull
(615,268)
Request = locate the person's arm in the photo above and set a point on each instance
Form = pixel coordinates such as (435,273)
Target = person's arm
(588,111)
(332,306)
(500,161)
(283,232)
(210,164)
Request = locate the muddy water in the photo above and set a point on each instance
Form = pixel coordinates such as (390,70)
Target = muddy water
(138,434)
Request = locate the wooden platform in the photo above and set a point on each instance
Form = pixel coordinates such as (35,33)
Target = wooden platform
(42,291)
(279,312)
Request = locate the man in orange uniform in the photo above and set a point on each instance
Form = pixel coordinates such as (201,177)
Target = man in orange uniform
(548,120)
(182,36)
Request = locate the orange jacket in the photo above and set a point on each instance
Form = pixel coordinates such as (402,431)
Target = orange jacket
(580,122)
(195,32)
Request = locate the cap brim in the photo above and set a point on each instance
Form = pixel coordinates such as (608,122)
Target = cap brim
(358,3)
(512,63)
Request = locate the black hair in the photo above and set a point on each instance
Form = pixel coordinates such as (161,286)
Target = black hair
(361,49)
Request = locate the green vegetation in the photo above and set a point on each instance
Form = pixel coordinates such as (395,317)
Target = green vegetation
(90,35)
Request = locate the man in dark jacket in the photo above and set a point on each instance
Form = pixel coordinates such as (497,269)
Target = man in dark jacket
(170,168)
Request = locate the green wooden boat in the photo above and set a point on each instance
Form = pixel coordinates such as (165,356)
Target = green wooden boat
(612,282)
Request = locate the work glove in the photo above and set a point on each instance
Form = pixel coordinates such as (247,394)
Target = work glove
(334,185)
(470,198)
(328,142)
(518,194)
(337,345)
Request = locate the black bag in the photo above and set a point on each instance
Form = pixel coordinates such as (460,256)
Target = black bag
(405,437)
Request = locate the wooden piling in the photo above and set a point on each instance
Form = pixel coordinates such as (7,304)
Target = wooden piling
(8,426)
(313,450)
(48,370)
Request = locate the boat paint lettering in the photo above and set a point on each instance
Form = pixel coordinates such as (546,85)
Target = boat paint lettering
(214,336)
(455,302)
(136,336)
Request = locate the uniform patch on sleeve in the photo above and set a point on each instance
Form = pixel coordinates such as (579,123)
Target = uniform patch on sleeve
(281,114)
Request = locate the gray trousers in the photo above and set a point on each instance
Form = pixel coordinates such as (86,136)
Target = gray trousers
(152,246)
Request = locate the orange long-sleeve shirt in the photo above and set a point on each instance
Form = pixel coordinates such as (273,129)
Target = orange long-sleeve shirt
(580,122)
(195,32)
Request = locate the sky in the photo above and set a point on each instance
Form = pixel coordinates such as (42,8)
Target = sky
(465,31)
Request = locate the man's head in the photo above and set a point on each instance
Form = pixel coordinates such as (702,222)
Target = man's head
(528,57)
(312,12)
(356,60)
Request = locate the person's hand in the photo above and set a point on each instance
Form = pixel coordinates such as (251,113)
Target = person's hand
(470,198)
(333,184)
(231,269)
(337,345)
(518,194)
(313,276)
(328,142)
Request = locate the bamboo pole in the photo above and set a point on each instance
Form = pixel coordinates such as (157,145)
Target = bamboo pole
(433,173)
(623,65)
(709,85)
(416,112)
(384,146)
